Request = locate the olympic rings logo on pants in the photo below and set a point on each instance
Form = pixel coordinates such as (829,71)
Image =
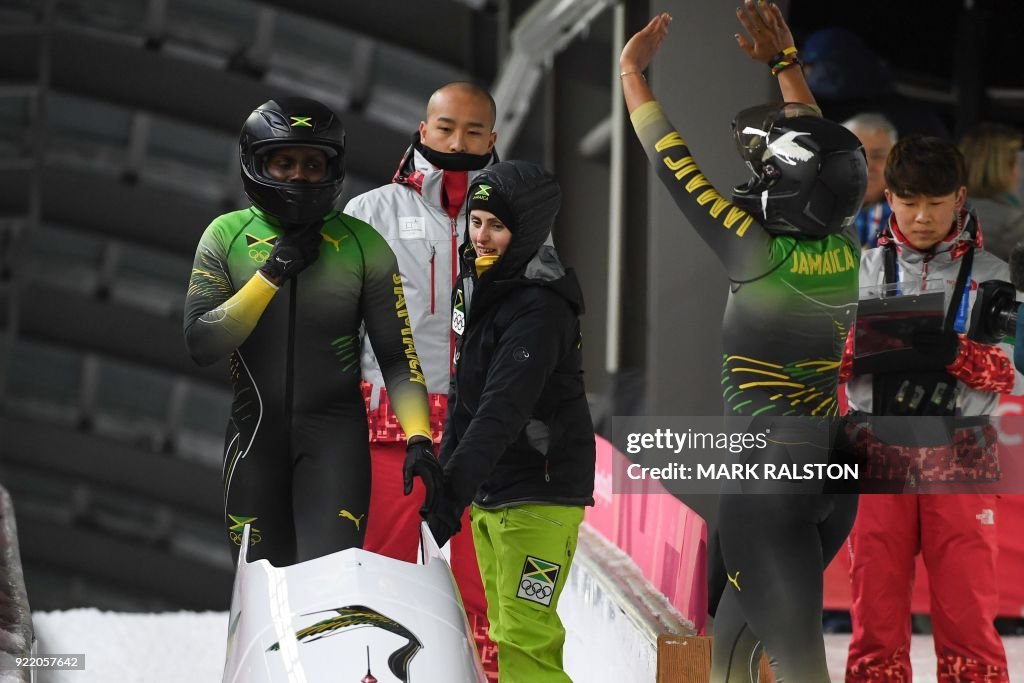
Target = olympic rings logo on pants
(535,591)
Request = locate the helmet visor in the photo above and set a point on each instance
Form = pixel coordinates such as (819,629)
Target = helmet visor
(329,152)
(751,127)
(302,155)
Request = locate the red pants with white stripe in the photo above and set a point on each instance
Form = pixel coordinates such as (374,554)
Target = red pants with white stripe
(392,529)
(956,535)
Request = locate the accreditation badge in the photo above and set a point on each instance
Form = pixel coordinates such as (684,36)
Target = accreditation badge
(459,314)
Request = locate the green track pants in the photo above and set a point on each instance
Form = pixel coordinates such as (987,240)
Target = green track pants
(524,553)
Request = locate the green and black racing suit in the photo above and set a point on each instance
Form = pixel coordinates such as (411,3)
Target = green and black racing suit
(791,305)
(297,460)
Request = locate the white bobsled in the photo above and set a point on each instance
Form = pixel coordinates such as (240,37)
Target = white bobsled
(349,617)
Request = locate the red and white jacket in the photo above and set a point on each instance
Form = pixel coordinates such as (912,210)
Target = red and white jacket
(424,232)
(984,370)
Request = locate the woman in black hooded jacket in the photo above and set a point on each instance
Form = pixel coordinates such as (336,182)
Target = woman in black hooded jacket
(518,442)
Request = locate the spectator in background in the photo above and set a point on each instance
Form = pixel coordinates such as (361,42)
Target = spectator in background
(878,136)
(847,77)
(992,153)
(931,234)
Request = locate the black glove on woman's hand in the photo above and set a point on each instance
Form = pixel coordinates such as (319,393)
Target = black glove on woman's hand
(293,252)
(445,519)
(940,346)
(420,462)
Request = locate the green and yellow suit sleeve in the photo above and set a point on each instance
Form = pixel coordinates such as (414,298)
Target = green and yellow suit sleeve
(739,241)
(218,318)
(386,318)
(355,281)
(792,301)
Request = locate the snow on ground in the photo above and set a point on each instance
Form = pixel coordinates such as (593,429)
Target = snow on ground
(172,647)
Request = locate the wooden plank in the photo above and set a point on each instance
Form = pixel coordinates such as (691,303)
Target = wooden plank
(687,659)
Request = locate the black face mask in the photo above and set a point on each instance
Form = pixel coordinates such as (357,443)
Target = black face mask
(452,161)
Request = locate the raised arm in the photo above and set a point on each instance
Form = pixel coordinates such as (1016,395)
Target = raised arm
(636,57)
(738,240)
(768,40)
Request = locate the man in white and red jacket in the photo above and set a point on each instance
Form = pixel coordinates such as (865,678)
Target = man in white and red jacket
(932,242)
(422,215)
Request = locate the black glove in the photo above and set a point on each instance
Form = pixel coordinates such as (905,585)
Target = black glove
(939,346)
(420,462)
(445,519)
(293,252)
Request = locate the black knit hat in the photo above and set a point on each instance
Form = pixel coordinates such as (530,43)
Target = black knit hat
(486,198)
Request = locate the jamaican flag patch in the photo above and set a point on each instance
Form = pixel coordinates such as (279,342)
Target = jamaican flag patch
(537,583)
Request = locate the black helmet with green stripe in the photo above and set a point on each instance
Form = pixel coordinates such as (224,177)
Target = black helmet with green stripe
(292,122)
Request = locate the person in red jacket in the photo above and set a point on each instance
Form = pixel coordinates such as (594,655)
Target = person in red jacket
(930,239)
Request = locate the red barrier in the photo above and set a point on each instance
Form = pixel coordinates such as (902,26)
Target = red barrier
(666,539)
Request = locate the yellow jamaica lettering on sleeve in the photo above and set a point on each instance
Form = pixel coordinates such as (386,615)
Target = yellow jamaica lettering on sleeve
(672,139)
(838,260)
(410,347)
(708,196)
(683,167)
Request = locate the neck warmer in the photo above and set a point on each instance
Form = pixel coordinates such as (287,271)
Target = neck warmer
(453,161)
(484,262)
